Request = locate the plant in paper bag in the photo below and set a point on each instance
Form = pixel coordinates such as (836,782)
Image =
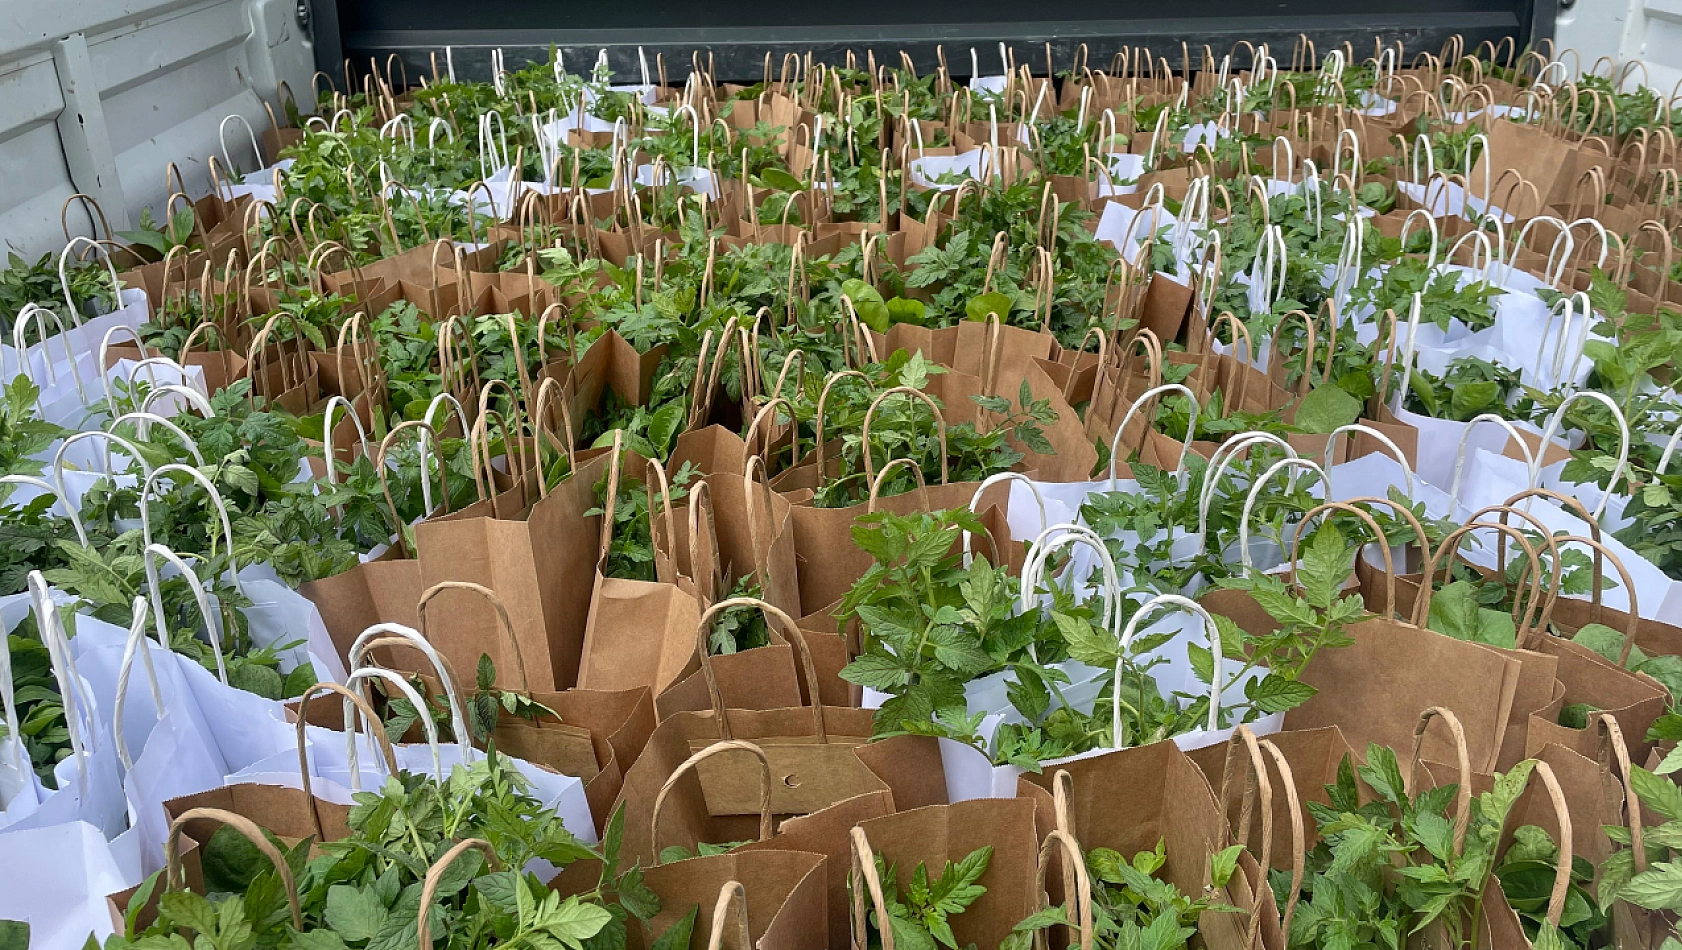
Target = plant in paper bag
(931,624)
(921,914)
(1133,907)
(1659,887)
(364,891)
(1393,867)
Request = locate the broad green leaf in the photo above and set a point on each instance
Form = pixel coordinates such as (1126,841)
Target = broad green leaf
(677,936)
(354,913)
(780,180)
(1657,888)
(1325,409)
(1660,794)
(983,306)
(1223,863)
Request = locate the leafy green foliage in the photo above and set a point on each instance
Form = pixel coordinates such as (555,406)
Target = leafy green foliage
(631,553)
(1527,874)
(364,891)
(1468,388)
(1391,868)
(930,625)
(921,913)
(1659,887)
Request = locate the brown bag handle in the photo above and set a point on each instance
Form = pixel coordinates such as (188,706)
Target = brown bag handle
(761,562)
(705,571)
(385,485)
(1614,758)
(665,563)
(1074,868)
(604,541)
(863,880)
(355,337)
(1062,789)
(1550,545)
(435,874)
(732,906)
(175,879)
(790,633)
(1463,761)
(882,476)
(1449,550)
(375,727)
(1258,790)
(939,422)
(504,623)
(1562,815)
(551,393)
(694,761)
(823,401)
(767,412)
(1299,845)
(1383,547)
(1601,551)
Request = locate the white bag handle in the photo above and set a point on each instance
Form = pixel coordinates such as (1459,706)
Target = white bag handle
(1465,439)
(193,397)
(1436,239)
(143,421)
(1225,455)
(331,457)
(1048,543)
(154,587)
(1566,309)
(1552,429)
(1408,350)
(997,479)
(64,280)
(47,487)
(695,134)
(1474,140)
(428,727)
(1384,440)
(135,643)
(148,491)
(1255,492)
(78,706)
(9,708)
(37,316)
(108,438)
(458,720)
(1210,630)
(222,141)
(1488,258)
(1664,459)
(149,364)
(1558,255)
(1147,396)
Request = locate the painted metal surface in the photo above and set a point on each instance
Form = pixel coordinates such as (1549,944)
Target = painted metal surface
(98,96)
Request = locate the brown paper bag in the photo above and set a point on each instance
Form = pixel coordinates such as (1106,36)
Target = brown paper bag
(766,677)
(1373,688)
(769,900)
(639,633)
(532,559)
(1168,802)
(802,761)
(936,834)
